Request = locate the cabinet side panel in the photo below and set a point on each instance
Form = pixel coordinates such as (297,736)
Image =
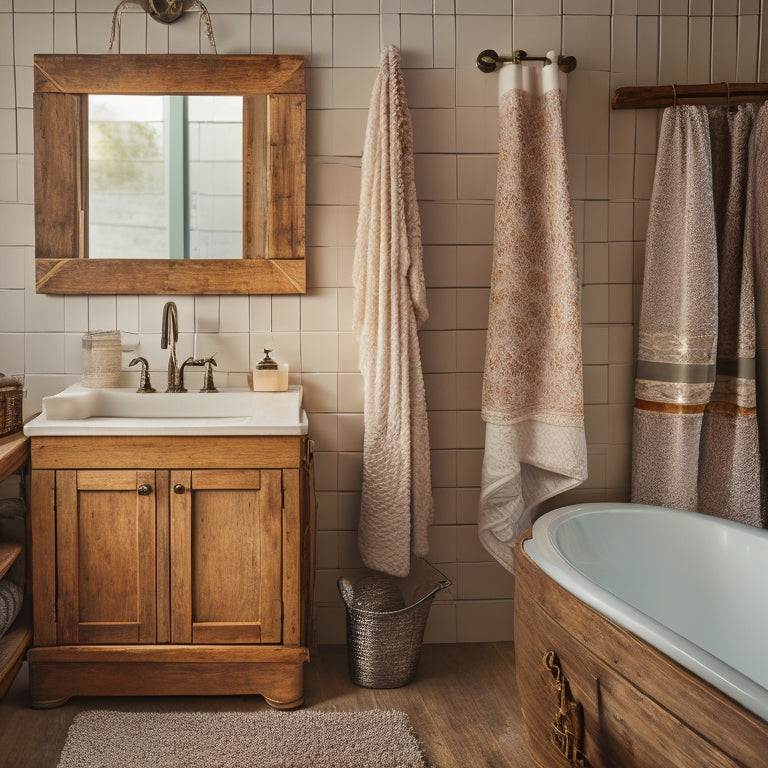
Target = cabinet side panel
(292,633)
(308,525)
(42,516)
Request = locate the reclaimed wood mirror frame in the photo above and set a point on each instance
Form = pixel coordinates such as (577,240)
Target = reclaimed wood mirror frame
(274,172)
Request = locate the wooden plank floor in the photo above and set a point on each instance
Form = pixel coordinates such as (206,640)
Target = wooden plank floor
(463,705)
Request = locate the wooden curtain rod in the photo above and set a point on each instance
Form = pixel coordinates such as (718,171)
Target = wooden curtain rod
(659,96)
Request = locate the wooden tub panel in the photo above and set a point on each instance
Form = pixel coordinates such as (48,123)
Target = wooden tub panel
(634,697)
(622,726)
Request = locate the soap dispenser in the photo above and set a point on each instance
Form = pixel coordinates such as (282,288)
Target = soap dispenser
(269,375)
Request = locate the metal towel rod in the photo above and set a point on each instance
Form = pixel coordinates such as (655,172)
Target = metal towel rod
(489,60)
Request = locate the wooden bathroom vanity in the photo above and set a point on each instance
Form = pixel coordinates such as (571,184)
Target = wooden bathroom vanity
(171,565)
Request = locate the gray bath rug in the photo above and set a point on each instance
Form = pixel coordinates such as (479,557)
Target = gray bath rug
(306,739)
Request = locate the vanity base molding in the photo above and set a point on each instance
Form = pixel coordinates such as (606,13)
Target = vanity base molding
(59,672)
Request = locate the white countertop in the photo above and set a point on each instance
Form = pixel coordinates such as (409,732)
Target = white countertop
(79,410)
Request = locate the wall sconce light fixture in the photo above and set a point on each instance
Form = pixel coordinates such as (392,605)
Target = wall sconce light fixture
(166,11)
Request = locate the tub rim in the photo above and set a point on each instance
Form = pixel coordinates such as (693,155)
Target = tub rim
(540,546)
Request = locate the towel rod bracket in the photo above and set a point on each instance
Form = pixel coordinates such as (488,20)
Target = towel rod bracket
(489,60)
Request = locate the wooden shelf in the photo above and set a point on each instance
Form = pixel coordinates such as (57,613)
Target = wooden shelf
(14,451)
(13,645)
(9,551)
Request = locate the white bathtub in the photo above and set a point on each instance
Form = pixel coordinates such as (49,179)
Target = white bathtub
(694,587)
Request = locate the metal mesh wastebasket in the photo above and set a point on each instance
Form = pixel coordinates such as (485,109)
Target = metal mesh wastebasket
(386,618)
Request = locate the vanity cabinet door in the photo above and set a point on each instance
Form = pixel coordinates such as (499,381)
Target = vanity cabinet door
(226,556)
(106,557)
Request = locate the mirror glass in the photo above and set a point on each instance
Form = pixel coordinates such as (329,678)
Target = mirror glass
(165,177)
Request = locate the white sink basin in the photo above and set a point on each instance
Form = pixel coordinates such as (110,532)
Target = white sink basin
(80,410)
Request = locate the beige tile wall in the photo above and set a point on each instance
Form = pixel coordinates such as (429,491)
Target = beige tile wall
(611,157)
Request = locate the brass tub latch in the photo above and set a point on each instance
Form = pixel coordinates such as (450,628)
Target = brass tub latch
(568,727)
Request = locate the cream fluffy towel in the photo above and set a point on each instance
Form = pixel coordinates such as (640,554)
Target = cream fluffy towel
(533,402)
(390,305)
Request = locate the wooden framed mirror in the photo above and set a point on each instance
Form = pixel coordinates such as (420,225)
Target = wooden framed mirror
(273,172)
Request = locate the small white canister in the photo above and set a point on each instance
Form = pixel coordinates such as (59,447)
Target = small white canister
(101,358)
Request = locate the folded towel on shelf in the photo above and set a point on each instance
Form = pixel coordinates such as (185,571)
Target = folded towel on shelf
(11,597)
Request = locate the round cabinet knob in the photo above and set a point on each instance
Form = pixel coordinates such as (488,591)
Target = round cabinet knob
(178,488)
(144,489)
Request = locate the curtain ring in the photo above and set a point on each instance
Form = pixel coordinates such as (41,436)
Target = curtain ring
(674,95)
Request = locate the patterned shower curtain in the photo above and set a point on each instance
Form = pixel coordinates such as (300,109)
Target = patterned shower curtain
(696,442)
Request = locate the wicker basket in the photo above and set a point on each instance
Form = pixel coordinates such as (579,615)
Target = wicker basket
(386,618)
(11,396)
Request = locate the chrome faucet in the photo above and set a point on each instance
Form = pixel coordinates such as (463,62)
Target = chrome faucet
(169,337)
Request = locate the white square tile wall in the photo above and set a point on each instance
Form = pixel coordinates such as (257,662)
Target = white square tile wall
(453,106)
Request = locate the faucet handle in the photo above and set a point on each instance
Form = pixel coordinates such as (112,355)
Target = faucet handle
(189,361)
(144,383)
(209,386)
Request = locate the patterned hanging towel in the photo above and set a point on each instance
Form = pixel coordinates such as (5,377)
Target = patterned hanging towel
(533,399)
(389,307)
